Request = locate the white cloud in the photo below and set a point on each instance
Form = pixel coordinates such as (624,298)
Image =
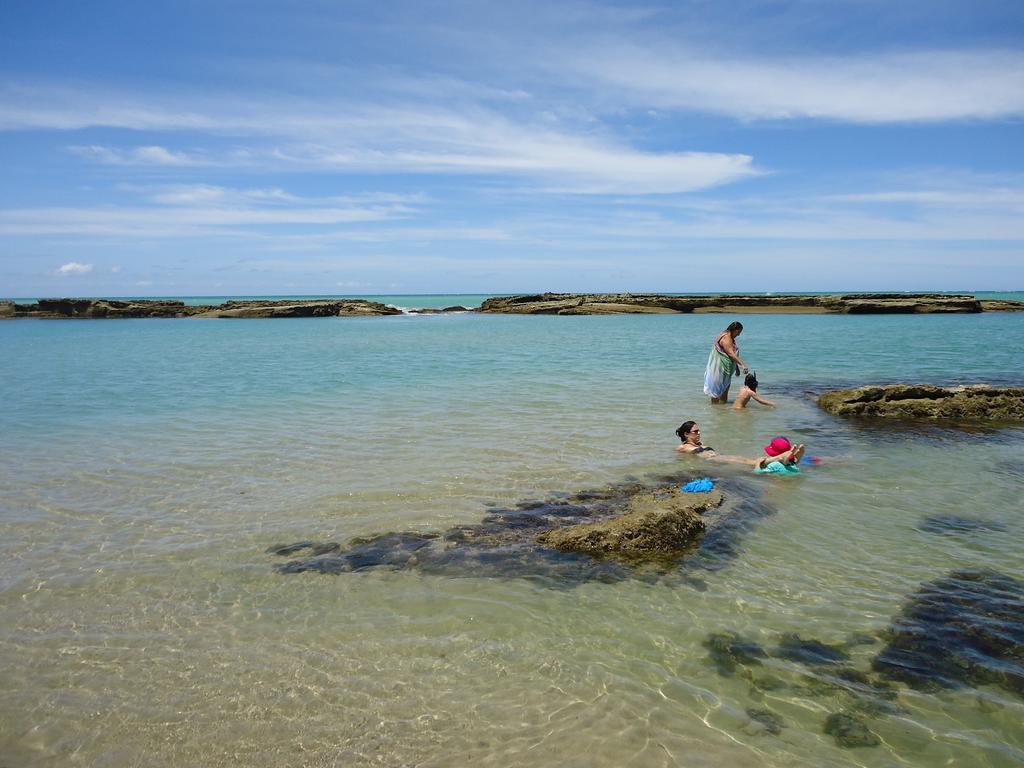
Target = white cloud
(541,148)
(174,222)
(74,268)
(947,198)
(864,88)
(190,194)
(147,155)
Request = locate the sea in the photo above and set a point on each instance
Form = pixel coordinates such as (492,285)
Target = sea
(147,467)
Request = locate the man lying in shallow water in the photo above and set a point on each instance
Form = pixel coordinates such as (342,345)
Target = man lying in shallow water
(780,456)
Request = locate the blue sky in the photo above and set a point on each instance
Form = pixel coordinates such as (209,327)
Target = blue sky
(247,147)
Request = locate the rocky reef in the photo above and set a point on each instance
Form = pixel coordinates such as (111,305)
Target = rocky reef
(1001,305)
(925,401)
(535,304)
(958,524)
(656,524)
(138,308)
(966,628)
(850,731)
(815,669)
(566,539)
(650,303)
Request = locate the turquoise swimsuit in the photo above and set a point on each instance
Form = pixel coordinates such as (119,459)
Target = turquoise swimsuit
(778,468)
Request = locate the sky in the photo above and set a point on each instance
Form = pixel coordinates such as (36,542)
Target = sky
(308,147)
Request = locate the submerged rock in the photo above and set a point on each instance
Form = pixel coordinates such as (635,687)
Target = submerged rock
(810,651)
(722,541)
(728,651)
(957,524)
(925,401)
(772,722)
(659,523)
(850,731)
(662,526)
(966,628)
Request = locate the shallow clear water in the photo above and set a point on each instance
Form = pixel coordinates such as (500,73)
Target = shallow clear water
(146,465)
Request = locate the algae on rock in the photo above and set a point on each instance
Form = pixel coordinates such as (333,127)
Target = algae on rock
(662,522)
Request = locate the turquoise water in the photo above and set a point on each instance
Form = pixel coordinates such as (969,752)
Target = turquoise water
(146,465)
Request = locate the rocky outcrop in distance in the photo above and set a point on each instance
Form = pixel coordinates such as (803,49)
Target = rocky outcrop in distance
(652,303)
(137,308)
(1001,305)
(925,401)
(537,304)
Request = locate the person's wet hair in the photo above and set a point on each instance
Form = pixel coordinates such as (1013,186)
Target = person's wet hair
(735,327)
(684,429)
(751,380)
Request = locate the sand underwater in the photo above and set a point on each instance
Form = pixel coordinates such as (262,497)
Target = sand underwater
(867,613)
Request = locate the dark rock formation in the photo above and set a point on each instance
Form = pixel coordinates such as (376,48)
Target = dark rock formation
(656,524)
(850,731)
(309,308)
(631,303)
(435,311)
(956,524)
(925,401)
(966,628)
(1001,305)
(809,651)
(772,722)
(545,303)
(102,308)
(136,308)
(506,542)
(728,651)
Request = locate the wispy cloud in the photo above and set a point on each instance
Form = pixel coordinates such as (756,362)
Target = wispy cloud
(863,88)
(374,138)
(74,268)
(1005,199)
(179,221)
(148,155)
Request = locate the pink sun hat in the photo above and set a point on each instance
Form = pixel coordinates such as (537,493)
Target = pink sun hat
(777,445)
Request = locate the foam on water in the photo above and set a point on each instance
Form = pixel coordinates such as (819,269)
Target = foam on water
(146,465)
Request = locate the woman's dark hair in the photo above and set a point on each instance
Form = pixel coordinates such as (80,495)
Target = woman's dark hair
(684,429)
(751,380)
(735,327)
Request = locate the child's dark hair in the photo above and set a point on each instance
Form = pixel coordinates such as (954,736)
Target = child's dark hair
(751,381)
(684,428)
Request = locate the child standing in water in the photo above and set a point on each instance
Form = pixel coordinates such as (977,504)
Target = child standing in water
(749,392)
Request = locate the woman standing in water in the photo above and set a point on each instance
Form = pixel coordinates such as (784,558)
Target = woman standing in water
(723,362)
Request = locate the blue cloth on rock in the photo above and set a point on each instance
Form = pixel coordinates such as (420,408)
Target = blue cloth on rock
(698,486)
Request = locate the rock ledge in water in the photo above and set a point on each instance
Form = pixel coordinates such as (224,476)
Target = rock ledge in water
(654,303)
(136,308)
(661,522)
(925,401)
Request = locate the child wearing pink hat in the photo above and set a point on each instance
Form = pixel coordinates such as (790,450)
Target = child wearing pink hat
(781,458)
